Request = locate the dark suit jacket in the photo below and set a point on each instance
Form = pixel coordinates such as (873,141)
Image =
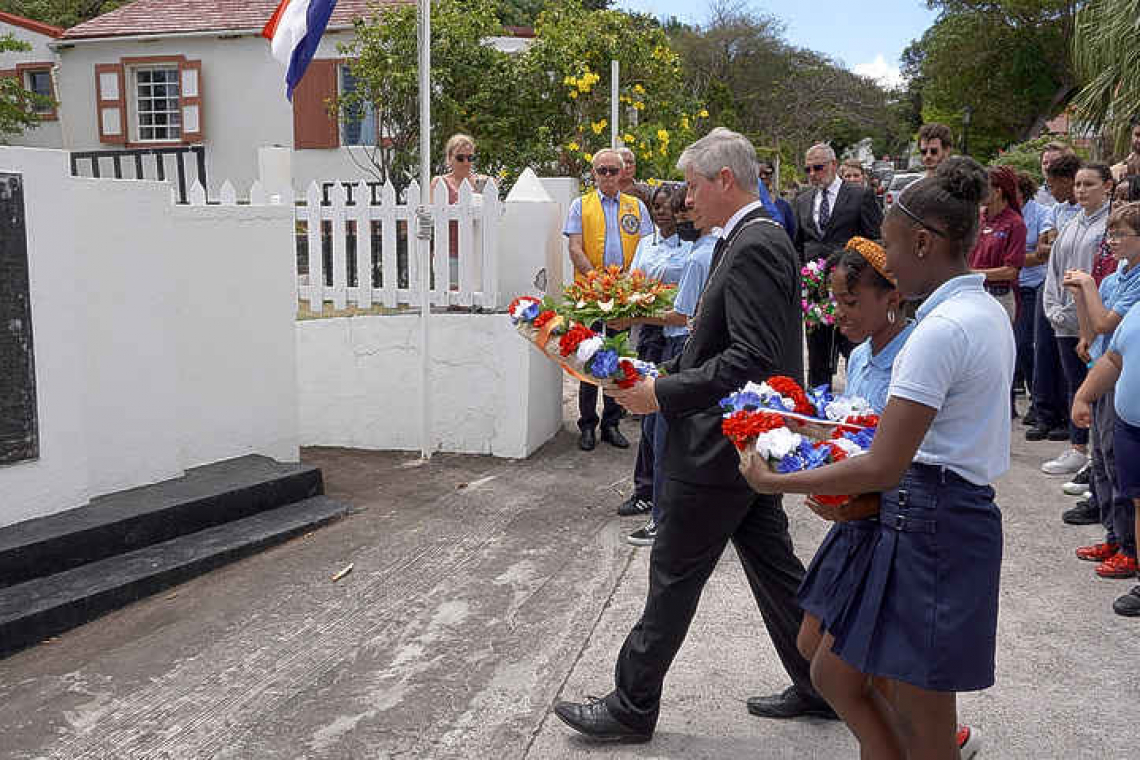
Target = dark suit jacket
(748,327)
(855,212)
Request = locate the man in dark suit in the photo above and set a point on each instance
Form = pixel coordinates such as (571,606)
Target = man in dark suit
(828,215)
(747,326)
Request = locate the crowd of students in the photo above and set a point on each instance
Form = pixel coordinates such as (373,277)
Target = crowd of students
(1072,248)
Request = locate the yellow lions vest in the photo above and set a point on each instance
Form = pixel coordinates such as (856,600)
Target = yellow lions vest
(594,228)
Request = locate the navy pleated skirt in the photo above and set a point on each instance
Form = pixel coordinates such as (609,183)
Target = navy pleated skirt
(913,596)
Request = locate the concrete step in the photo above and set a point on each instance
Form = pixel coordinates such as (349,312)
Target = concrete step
(44,607)
(130,520)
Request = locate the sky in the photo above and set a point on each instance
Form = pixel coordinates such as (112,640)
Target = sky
(867,41)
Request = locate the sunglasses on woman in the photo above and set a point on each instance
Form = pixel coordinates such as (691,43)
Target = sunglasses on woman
(465,157)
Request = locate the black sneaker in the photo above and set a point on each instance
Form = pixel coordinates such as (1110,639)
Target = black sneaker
(1083,513)
(1058,434)
(643,536)
(1036,433)
(634,506)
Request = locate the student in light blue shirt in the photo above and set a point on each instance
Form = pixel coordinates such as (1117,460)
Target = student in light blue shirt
(867,312)
(1100,312)
(918,605)
(662,255)
(676,331)
(1119,369)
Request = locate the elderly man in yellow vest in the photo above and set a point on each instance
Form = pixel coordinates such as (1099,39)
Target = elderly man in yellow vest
(604,227)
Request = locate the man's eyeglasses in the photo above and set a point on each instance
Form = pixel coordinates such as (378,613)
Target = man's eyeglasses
(1115,237)
(607,171)
(814,168)
(465,157)
(930,151)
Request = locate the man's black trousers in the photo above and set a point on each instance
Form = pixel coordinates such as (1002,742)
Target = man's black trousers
(701,521)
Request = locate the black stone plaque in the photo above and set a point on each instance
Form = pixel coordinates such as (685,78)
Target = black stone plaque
(19,436)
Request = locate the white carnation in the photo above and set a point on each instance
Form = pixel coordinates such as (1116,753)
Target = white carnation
(589,347)
(778,443)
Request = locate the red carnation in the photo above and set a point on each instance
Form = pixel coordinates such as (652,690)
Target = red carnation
(569,342)
(742,427)
(789,388)
(541,320)
(630,374)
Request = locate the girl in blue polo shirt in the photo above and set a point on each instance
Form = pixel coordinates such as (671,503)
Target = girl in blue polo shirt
(922,613)
(1120,367)
(1100,311)
(867,312)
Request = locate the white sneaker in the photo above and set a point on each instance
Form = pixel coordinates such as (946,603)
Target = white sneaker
(1068,463)
(969,742)
(1080,482)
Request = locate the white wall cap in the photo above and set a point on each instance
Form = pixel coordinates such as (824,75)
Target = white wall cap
(528,188)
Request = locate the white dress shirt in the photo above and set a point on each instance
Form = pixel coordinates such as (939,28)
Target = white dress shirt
(832,191)
(733,220)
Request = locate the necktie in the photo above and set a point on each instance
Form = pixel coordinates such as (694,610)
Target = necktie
(824,211)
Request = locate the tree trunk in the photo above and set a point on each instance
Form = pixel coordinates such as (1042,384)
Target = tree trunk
(1063,93)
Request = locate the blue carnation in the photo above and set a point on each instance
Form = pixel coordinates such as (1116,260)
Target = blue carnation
(819,456)
(530,312)
(791,463)
(604,364)
(862,438)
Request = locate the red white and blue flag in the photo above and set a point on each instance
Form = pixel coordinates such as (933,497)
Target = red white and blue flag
(294,32)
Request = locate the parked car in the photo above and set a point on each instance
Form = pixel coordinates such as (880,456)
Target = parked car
(898,183)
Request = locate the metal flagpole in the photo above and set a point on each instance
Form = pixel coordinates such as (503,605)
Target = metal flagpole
(615,75)
(425,226)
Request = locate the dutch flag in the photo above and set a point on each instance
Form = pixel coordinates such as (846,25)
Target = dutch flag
(294,32)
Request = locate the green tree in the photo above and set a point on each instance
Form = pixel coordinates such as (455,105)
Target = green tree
(1006,59)
(562,91)
(525,12)
(17,105)
(547,107)
(64,13)
(783,97)
(385,66)
(1106,53)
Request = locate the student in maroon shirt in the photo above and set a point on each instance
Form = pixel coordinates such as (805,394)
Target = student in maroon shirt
(999,252)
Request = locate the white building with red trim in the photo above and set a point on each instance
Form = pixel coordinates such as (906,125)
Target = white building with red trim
(37,71)
(172,74)
(181,73)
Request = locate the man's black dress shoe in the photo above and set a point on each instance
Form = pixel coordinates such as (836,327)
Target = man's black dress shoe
(1129,604)
(790,704)
(587,441)
(595,721)
(613,437)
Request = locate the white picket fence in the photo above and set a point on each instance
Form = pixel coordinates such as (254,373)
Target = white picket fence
(329,242)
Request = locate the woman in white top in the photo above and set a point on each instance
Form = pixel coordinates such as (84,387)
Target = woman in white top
(922,612)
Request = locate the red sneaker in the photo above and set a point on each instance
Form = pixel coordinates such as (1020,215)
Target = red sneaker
(1119,565)
(1097,552)
(969,742)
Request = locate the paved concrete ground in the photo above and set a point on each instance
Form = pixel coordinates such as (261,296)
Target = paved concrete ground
(482,591)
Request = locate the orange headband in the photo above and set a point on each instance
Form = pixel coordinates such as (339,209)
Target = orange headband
(874,255)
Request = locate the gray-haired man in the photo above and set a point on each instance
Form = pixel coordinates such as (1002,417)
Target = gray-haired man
(747,327)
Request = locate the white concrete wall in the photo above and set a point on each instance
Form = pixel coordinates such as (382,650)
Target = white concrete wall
(492,393)
(47,134)
(164,337)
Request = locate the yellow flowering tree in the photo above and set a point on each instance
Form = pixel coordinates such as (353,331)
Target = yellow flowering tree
(657,118)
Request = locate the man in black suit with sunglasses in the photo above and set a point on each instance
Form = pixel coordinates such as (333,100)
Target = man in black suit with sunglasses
(827,216)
